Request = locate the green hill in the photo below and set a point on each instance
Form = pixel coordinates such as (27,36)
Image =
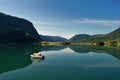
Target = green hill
(83,37)
(114,35)
(80,37)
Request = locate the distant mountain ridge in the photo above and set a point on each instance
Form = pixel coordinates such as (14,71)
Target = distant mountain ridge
(53,38)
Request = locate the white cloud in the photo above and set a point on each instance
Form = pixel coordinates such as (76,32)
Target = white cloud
(104,22)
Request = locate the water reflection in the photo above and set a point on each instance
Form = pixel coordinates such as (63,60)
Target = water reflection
(98,49)
(15,57)
(60,61)
(52,48)
(37,60)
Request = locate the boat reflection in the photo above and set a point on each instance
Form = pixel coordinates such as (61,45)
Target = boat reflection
(37,59)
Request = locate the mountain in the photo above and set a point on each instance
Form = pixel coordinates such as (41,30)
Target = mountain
(17,30)
(82,37)
(53,38)
(114,35)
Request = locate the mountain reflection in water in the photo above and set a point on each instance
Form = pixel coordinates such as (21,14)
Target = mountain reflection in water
(15,57)
(66,61)
(114,51)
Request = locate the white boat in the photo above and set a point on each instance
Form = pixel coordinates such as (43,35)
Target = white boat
(37,56)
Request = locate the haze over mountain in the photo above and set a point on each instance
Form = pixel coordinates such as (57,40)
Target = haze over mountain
(17,30)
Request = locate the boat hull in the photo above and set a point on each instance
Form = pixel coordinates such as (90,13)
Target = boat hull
(36,57)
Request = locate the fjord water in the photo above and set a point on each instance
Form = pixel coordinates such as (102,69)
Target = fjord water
(60,63)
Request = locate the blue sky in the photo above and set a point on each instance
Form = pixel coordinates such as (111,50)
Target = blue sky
(66,17)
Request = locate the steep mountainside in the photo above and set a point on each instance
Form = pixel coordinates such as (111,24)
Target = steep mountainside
(17,30)
(53,38)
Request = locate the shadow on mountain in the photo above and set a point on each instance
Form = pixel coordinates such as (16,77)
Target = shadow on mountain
(15,57)
(99,49)
(52,48)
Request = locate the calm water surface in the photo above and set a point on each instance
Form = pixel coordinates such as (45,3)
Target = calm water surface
(61,63)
